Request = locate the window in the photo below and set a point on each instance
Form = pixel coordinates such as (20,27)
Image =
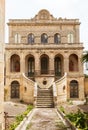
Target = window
(73,63)
(31,66)
(17,38)
(73,89)
(57,66)
(15,63)
(30,38)
(57,38)
(70,38)
(44,64)
(44,38)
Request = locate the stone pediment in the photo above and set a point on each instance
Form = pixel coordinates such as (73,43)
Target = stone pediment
(44,15)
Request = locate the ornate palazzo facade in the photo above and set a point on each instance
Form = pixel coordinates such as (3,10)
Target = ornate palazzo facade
(2,17)
(42,52)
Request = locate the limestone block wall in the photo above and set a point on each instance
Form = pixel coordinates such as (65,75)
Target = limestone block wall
(61,86)
(28,90)
(86,86)
(44,82)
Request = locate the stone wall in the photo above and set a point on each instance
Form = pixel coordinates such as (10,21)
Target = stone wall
(2,16)
(86,86)
(61,86)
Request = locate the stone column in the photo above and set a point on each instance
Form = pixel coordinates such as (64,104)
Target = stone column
(51,63)
(7,64)
(37,63)
(66,63)
(80,66)
(22,63)
(2,25)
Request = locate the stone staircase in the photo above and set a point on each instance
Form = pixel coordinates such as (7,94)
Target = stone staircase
(45,98)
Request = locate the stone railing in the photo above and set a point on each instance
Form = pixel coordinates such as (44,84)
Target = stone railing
(35,93)
(27,79)
(38,46)
(61,86)
(54,94)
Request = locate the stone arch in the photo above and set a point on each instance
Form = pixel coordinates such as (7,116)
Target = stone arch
(74,86)
(73,63)
(44,14)
(15,63)
(15,89)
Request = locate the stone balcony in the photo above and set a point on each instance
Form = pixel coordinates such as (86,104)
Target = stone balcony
(44,46)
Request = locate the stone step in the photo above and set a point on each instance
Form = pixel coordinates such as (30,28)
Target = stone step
(45,106)
(44,101)
(44,98)
(45,91)
(45,94)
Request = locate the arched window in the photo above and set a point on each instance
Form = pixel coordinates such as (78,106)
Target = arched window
(17,38)
(15,88)
(44,38)
(15,63)
(30,38)
(70,38)
(44,64)
(74,89)
(31,66)
(73,62)
(57,38)
(57,66)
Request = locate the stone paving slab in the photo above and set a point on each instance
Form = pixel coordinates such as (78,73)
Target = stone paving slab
(46,119)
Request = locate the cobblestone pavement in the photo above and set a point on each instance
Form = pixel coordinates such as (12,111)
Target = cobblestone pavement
(46,119)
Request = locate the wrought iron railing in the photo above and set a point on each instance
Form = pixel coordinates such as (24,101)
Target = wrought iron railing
(40,72)
(43,72)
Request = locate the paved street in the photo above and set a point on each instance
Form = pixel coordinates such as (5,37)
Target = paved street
(45,119)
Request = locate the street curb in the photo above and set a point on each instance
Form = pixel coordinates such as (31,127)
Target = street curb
(66,121)
(26,121)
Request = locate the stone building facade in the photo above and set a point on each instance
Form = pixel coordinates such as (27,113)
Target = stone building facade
(44,52)
(2,18)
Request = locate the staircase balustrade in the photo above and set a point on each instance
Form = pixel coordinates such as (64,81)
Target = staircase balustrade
(35,93)
(54,94)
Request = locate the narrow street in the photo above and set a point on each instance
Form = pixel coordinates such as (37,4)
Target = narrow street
(46,119)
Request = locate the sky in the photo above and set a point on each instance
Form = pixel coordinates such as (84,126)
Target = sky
(71,9)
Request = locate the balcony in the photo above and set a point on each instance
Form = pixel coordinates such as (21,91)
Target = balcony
(39,46)
(47,73)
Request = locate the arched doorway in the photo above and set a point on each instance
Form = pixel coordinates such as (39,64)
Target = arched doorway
(44,64)
(15,89)
(58,65)
(31,66)
(74,89)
